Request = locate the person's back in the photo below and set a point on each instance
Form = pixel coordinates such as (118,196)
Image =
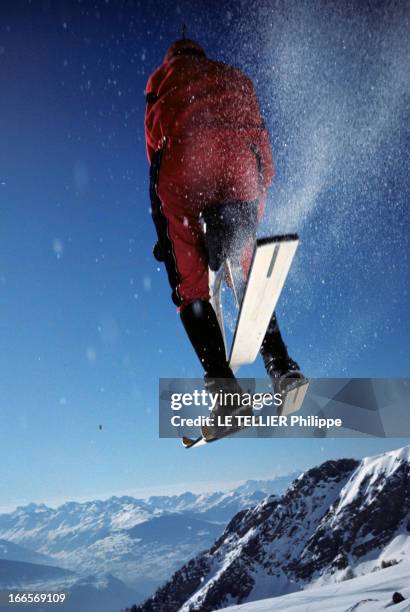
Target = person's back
(195,92)
(207,115)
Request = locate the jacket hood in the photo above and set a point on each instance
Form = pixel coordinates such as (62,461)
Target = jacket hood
(183,47)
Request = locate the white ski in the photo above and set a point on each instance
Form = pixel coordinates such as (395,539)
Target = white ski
(271,262)
(215,290)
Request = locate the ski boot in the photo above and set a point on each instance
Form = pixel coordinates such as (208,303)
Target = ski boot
(204,332)
(229,404)
(287,379)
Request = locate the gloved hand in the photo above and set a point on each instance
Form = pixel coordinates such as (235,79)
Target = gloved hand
(157,252)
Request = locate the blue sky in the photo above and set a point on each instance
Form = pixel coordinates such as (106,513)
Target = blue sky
(87,326)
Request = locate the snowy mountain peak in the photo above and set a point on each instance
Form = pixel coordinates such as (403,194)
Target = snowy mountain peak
(279,484)
(337,520)
(33,508)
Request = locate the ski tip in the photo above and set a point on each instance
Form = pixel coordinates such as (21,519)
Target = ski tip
(188,442)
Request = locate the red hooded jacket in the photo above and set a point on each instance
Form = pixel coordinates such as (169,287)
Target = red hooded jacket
(193,98)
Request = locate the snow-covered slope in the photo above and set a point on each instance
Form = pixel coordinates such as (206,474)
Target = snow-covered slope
(103,593)
(341,519)
(141,541)
(369,593)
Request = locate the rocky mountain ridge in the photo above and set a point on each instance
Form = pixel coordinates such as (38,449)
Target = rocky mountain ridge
(340,519)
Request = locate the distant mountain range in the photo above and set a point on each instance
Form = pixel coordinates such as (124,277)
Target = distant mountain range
(341,520)
(86,593)
(139,541)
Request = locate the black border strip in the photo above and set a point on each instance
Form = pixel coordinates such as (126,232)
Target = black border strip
(279,238)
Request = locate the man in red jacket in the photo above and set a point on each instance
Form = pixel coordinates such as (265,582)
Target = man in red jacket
(211,160)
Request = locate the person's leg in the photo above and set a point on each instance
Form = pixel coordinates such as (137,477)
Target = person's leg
(181,247)
(202,327)
(198,316)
